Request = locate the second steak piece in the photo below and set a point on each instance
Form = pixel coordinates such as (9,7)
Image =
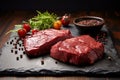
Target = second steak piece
(79,50)
(41,42)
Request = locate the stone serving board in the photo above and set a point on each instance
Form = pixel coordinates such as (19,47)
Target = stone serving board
(14,61)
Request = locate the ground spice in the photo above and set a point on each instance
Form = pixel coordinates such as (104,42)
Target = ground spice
(89,22)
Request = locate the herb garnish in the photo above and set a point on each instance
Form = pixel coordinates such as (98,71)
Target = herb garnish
(43,20)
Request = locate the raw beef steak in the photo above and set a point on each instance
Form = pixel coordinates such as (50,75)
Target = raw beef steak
(78,50)
(41,42)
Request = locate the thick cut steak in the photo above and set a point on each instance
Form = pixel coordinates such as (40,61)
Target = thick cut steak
(41,42)
(78,50)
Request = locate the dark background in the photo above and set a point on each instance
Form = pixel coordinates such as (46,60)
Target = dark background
(59,5)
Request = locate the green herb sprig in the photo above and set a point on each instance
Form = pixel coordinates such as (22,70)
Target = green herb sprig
(43,20)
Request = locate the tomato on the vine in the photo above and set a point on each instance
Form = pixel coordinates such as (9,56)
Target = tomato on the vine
(57,24)
(22,33)
(27,27)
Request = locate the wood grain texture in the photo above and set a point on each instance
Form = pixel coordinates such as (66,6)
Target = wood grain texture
(9,19)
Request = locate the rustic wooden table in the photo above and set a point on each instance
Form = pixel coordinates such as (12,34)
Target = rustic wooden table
(9,18)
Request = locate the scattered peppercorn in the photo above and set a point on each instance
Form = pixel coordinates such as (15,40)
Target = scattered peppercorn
(56,62)
(21,56)
(15,46)
(16,52)
(20,45)
(15,38)
(23,52)
(7,42)
(42,62)
(11,50)
(17,58)
(10,42)
(22,49)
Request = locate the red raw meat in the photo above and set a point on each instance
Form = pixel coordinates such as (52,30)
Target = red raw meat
(41,42)
(78,50)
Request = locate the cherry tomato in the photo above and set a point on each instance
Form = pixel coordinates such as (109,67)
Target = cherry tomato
(57,24)
(65,20)
(22,33)
(27,27)
(34,31)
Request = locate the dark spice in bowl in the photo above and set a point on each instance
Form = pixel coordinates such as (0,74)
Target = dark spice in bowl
(89,24)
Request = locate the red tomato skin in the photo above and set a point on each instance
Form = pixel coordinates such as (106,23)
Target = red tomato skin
(27,27)
(65,20)
(22,33)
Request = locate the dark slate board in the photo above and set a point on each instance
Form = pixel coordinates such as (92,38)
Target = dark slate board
(14,62)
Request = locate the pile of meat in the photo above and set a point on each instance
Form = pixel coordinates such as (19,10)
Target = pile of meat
(64,47)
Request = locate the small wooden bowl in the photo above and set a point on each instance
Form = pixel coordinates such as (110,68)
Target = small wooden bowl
(89,24)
